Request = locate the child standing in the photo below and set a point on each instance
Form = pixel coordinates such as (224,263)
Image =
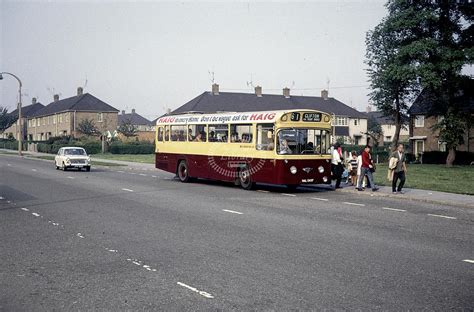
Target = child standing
(353,163)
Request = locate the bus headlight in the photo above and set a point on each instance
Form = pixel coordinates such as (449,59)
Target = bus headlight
(321,169)
(325,179)
(293,169)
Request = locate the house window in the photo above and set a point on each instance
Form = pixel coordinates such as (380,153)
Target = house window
(388,138)
(341,121)
(44,120)
(419,147)
(389,127)
(66,117)
(442,146)
(99,117)
(49,120)
(419,121)
(355,122)
(60,118)
(55,119)
(38,122)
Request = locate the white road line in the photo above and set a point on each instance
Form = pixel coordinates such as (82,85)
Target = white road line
(232,211)
(441,216)
(34,170)
(9,165)
(80,235)
(263,191)
(25,209)
(394,209)
(286,194)
(153,176)
(35,214)
(202,293)
(468,260)
(143,175)
(70,177)
(317,198)
(126,189)
(2,197)
(132,172)
(354,204)
(121,171)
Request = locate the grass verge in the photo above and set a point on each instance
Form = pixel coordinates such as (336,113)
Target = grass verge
(139,158)
(457,179)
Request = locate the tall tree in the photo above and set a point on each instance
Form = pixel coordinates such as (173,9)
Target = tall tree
(87,127)
(374,130)
(6,119)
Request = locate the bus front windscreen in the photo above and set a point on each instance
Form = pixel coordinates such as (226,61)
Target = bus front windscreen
(303,141)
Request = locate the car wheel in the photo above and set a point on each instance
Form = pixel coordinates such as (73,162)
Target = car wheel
(245,179)
(88,168)
(64,166)
(183,172)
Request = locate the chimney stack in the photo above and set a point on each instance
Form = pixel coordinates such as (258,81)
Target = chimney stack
(33,100)
(215,89)
(133,110)
(123,112)
(368,108)
(258,91)
(56,97)
(80,91)
(324,94)
(286,92)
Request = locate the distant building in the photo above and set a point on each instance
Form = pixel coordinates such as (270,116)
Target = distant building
(388,128)
(26,111)
(62,117)
(145,128)
(350,124)
(422,137)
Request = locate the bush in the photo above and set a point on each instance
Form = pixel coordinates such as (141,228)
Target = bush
(91,147)
(437,157)
(132,148)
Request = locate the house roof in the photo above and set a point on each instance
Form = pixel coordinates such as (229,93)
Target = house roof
(242,102)
(424,102)
(27,111)
(134,118)
(381,119)
(85,102)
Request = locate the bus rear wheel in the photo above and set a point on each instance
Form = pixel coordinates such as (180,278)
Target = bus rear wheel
(245,179)
(183,172)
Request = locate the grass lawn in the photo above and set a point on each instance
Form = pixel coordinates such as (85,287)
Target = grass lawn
(98,163)
(139,158)
(433,177)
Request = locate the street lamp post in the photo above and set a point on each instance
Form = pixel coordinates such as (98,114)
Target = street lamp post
(20,132)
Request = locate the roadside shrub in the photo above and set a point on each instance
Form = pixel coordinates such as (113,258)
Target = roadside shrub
(91,147)
(437,157)
(132,148)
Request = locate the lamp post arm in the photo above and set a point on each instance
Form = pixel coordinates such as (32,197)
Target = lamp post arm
(20,132)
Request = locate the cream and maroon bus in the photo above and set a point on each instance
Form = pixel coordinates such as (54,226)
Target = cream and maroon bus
(278,147)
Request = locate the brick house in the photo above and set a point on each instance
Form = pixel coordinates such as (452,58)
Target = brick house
(350,125)
(26,111)
(388,128)
(145,128)
(422,136)
(62,117)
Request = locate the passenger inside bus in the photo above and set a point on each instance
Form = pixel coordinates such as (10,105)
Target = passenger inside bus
(234,137)
(212,137)
(190,135)
(284,148)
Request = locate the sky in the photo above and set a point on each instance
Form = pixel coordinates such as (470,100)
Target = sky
(152,55)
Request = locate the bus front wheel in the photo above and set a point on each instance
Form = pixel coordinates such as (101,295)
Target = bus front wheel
(183,172)
(245,179)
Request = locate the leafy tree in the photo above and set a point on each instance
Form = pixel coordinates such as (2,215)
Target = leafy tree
(374,130)
(127,128)
(6,119)
(87,127)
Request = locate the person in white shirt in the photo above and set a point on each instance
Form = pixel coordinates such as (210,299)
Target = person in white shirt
(336,165)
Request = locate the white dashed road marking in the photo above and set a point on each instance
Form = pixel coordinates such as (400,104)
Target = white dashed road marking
(468,260)
(126,189)
(25,209)
(34,170)
(232,211)
(153,176)
(317,198)
(2,197)
(394,209)
(441,216)
(80,235)
(9,165)
(286,194)
(35,214)
(353,204)
(70,177)
(121,171)
(263,191)
(143,175)
(202,293)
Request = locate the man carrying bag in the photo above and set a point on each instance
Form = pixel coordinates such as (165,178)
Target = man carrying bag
(397,164)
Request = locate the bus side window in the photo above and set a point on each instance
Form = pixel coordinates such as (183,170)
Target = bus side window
(265,137)
(178,133)
(167,133)
(160,134)
(218,133)
(241,133)
(197,133)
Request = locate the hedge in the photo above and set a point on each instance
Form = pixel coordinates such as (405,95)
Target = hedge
(132,148)
(436,157)
(90,147)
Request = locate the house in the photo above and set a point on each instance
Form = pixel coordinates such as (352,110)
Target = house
(350,124)
(388,127)
(145,128)
(26,111)
(62,117)
(422,119)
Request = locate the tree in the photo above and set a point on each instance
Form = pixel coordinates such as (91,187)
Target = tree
(374,130)
(127,128)
(87,127)
(6,119)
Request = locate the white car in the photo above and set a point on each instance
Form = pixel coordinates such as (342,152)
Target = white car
(72,157)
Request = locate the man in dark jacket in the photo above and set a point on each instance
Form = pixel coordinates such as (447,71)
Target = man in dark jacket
(400,170)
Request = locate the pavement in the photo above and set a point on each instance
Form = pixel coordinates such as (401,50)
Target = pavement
(119,239)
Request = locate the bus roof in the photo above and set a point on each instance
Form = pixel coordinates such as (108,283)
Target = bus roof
(229,117)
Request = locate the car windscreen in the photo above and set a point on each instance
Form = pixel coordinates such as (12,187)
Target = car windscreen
(75,151)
